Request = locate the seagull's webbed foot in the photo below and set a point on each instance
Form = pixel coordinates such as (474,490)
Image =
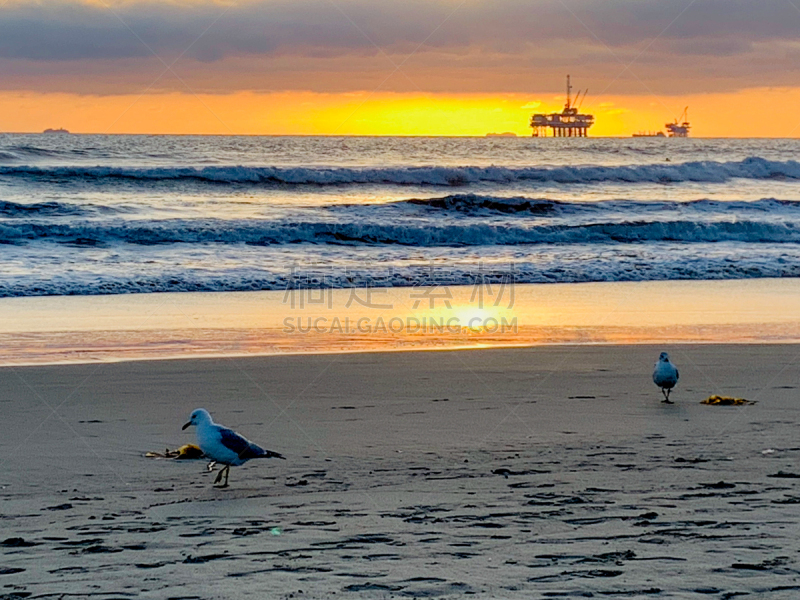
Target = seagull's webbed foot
(666,399)
(219,477)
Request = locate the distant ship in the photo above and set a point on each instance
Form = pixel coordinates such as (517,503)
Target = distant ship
(677,129)
(568,123)
(55,131)
(504,134)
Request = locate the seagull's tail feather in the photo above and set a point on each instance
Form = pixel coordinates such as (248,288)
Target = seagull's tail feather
(254,451)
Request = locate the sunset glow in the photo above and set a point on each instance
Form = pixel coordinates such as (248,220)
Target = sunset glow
(363,113)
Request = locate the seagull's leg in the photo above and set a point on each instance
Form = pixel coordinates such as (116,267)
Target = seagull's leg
(226,469)
(222,473)
(666,399)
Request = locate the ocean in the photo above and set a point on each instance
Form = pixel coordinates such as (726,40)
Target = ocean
(93,214)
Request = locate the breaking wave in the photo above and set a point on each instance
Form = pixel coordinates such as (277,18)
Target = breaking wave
(476,205)
(48,209)
(422,234)
(700,171)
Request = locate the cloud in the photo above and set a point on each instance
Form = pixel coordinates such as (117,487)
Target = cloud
(479,45)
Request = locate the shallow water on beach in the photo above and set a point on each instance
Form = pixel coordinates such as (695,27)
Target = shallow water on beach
(85,215)
(87,329)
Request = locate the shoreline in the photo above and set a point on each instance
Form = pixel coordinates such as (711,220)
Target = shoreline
(374,351)
(98,329)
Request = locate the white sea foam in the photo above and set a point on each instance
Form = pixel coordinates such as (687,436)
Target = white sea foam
(192,268)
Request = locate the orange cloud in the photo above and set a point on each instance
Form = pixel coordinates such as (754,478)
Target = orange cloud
(619,47)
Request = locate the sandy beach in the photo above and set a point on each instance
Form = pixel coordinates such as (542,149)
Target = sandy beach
(506,473)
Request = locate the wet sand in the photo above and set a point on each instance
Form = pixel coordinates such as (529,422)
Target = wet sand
(507,473)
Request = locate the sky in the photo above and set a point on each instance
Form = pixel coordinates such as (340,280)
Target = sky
(381,67)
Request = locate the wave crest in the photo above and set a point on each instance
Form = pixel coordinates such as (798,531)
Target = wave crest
(48,209)
(423,234)
(701,171)
(475,205)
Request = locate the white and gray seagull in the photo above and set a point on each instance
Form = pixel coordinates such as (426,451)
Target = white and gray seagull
(223,445)
(665,376)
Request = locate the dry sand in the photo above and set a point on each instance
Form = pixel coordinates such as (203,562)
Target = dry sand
(524,473)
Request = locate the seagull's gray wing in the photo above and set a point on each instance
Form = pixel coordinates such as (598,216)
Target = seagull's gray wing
(233,441)
(244,447)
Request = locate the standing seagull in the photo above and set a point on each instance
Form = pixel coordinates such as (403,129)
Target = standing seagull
(223,445)
(665,376)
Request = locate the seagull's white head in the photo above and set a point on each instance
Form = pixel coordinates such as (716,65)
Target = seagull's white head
(198,417)
(663,358)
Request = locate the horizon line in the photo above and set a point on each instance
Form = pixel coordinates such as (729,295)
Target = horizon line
(490,135)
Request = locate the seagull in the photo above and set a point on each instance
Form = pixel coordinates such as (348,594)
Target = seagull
(665,376)
(223,445)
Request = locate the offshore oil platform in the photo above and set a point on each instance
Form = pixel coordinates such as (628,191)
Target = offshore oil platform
(679,128)
(568,123)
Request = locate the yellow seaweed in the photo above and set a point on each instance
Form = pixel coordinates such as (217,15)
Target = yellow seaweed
(726,401)
(185,452)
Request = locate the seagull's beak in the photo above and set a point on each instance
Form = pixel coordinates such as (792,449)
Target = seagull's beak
(186,425)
